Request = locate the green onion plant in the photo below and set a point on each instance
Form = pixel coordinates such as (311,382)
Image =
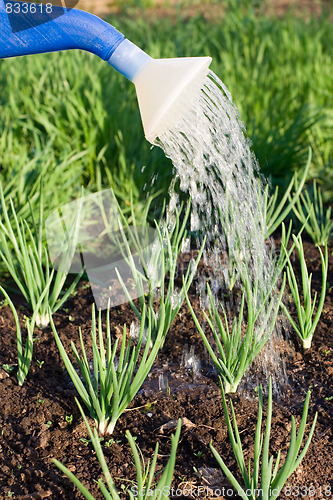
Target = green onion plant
(116,377)
(235,256)
(281,259)
(318,222)
(26,258)
(154,286)
(264,480)
(234,350)
(236,266)
(307,318)
(72,105)
(24,353)
(144,486)
(276,214)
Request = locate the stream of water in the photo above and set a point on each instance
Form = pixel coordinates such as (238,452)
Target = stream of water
(215,166)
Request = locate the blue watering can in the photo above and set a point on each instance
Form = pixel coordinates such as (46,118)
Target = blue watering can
(162,85)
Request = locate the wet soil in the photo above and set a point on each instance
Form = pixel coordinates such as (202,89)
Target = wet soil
(40,421)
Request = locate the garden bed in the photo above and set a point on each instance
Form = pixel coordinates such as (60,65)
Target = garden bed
(40,421)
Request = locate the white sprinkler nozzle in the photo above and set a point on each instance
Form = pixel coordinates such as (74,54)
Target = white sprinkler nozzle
(164,87)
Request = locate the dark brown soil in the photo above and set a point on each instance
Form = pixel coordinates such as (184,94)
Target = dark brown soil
(34,428)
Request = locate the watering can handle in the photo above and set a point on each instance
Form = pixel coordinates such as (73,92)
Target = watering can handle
(24,30)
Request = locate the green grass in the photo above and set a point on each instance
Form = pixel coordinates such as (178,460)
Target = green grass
(73,116)
(75,105)
(278,72)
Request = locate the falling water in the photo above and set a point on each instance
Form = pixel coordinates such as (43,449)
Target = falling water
(214,165)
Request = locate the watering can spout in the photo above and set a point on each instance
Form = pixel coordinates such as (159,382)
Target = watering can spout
(162,85)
